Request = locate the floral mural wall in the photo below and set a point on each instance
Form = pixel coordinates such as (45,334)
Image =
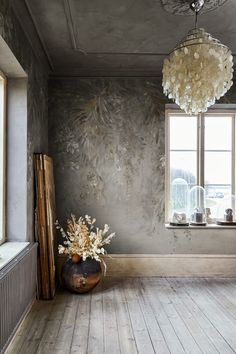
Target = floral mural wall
(107,139)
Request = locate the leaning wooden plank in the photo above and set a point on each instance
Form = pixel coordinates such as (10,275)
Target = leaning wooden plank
(41,228)
(50,208)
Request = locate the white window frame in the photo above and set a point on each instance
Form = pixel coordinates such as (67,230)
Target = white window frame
(220,110)
(3,126)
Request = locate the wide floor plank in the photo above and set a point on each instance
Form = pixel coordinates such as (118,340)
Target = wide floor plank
(125,329)
(223,323)
(197,332)
(141,334)
(134,316)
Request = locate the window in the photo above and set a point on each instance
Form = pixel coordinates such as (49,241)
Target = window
(201,150)
(2,155)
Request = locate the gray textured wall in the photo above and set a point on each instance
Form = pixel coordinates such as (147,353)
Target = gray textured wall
(37,139)
(107,141)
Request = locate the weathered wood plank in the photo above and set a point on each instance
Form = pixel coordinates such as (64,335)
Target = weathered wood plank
(142,338)
(53,323)
(171,338)
(187,340)
(224,325)
(224,295)
(81,330)
(111,336)
(96,325)
(213,334)
(62,342)
(35,331)
(126,335)
(189,319)
(152,325)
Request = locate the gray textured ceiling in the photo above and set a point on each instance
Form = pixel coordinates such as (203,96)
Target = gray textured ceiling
(118,37)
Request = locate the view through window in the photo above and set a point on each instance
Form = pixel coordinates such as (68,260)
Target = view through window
(201,150)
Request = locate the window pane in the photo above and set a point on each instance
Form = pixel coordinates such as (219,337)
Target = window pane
(218,133)
(214,191)
(217,168)
(183,164)
(214,195)
(183,133)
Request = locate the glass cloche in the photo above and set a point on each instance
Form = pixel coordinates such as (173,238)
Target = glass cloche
(197,207)
(179,202)
(226,211)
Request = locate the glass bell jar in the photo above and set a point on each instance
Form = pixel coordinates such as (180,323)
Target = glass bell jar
(226,211)
(179,202)
(197,207)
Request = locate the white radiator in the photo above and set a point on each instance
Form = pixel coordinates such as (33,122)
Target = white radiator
(17,290)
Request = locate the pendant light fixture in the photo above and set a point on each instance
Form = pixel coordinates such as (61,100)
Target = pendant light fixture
(199,70)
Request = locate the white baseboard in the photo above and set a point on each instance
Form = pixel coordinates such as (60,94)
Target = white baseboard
(168,265)
(178,265)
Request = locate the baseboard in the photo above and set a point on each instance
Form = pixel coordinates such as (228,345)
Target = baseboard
(171,265)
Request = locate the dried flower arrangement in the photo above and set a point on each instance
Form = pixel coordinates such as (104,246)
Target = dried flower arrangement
(83,239)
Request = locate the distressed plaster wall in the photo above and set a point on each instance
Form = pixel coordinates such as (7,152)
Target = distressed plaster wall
(37,72)
(107,140)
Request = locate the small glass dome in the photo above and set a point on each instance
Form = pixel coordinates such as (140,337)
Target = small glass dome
(179,202)
(226,211)
(197,207)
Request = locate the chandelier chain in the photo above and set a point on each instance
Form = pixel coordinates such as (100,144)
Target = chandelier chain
(196,19)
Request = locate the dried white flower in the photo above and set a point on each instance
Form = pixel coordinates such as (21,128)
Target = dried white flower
(61,249)
(82,238)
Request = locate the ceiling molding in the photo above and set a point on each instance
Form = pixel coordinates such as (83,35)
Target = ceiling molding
(112,76)
(123,53)
(40,37)
(84,53)
(28,26)
(100,73)
(69,10)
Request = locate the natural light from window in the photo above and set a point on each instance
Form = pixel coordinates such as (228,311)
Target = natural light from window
(200,149)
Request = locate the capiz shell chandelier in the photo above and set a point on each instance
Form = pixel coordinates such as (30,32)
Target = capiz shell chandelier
(198,71)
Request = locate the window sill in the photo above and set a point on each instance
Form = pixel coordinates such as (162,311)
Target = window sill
(209,226)
(10,250)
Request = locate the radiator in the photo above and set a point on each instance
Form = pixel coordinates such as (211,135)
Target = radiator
(17,291)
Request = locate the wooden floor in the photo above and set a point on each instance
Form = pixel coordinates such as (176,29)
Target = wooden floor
(138,315)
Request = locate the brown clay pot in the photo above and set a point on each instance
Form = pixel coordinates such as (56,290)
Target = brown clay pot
(81,277)
(75,258)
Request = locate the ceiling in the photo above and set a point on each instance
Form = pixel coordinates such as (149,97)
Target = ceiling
(118,37)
